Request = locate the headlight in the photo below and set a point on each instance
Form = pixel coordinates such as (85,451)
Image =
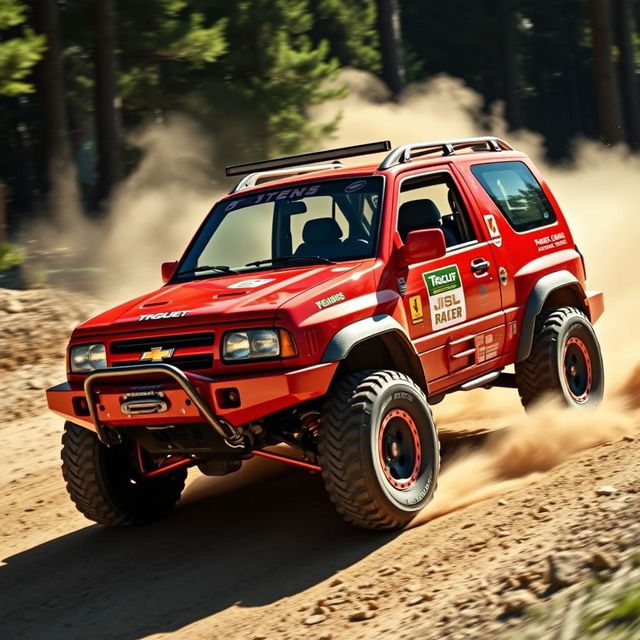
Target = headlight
(257,343)
(85,358)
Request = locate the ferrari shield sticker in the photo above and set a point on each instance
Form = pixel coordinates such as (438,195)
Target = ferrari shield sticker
(446,297)
(415,304)
(494,230)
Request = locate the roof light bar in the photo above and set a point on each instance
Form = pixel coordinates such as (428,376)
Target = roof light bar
(251,179)
(307,158)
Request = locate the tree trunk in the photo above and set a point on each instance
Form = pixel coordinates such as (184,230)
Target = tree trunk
(62,190)
(510,63)
(624,23)
(389,28)
(3,213)
(107,108)
(605,81)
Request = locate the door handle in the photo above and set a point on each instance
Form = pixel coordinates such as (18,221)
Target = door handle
(480,265)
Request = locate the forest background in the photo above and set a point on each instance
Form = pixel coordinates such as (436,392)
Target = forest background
(78,78)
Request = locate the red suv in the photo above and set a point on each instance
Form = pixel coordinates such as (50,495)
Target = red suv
(324,308)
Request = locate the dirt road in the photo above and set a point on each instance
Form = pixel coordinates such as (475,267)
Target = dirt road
(263,554)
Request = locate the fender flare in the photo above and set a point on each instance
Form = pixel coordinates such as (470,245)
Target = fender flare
(537,298)
(348,337)
(379,325)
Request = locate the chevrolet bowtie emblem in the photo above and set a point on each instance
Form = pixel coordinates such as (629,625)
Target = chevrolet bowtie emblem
(156,354)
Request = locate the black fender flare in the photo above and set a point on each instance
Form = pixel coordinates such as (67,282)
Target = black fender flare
(353,334)
(535,303)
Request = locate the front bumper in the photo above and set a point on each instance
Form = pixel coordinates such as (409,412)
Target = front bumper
(98,403)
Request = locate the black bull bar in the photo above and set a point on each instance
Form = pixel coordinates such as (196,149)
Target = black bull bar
(231,436)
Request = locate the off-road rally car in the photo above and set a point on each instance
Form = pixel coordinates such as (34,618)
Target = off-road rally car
(326,308)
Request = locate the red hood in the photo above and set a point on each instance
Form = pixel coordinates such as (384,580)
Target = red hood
(249,296)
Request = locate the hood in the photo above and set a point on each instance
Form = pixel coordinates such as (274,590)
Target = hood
(248,296)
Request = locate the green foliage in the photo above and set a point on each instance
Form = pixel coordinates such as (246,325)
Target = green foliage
(20,49)
(274,72)
(198,45)
(10,256)
(351,30)
(620,620)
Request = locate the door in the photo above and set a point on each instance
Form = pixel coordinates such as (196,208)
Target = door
(453,303)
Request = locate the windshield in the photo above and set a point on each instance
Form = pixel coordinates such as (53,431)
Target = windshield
(315,222)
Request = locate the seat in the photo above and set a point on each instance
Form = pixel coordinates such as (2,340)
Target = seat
(422,214)
(320,237)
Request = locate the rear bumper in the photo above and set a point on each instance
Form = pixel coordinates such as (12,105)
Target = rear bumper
(190,398)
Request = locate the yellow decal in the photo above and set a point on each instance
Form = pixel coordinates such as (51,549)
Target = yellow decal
(415,304)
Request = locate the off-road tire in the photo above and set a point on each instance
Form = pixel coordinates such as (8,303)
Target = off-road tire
(350,445)
(105,485)
(545,373)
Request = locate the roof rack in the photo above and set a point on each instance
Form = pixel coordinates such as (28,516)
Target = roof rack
(300,163)
(446,147)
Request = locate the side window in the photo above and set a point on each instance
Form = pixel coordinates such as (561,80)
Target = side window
(516,192)
(433,202)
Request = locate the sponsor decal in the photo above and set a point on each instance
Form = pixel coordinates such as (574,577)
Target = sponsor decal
(415,305)
(486,347)
(273,196)
(446,297)
(163,315)
(494,230)
(156,354)
(355,186)
(423,493)
(250,284)
(331,300)
(553,241)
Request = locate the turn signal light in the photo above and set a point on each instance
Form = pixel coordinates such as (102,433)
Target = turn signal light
(287,346)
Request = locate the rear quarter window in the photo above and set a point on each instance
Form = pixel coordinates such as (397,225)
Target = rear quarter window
(516,192)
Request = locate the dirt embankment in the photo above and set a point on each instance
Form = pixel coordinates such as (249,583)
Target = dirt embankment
(523,517)
(34,330)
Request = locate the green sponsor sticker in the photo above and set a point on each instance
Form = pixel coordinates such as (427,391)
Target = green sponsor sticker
(442,280)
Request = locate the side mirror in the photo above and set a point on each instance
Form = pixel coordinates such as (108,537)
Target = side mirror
(168,269)
(422,245)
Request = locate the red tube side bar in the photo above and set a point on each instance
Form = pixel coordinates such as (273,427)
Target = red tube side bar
(286,459)
(182,462)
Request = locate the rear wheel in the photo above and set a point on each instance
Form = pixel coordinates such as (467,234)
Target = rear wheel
(565,361)
(106,485)
(378,449)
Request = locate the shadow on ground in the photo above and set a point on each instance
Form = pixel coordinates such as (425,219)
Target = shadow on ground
(251,546)
(226,545)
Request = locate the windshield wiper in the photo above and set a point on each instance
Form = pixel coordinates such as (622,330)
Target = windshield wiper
(223,268)
(306,259)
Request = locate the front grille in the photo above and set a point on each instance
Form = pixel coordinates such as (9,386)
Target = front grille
(166,342)
(187,361)
(182,362)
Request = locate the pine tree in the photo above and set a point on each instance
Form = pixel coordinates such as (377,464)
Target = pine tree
(20,50)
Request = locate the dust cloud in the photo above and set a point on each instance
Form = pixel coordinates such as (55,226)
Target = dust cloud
(154,212)
(521,453)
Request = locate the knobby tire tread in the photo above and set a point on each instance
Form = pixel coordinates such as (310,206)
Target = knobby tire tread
(340,456)
(83,475)
(537,376)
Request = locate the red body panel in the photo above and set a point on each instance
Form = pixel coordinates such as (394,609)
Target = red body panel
(287,298)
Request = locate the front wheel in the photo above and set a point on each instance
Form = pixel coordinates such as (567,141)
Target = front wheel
(378,449)
(105,483)
(565,361)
